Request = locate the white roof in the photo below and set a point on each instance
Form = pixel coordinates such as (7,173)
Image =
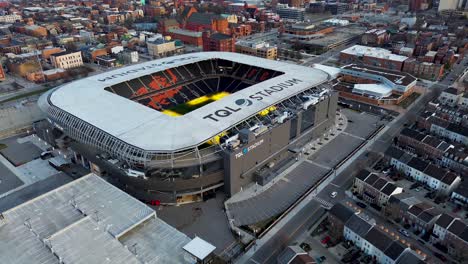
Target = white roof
(332,71)
(378,90)
(139,125)
(199,248)
(359,50)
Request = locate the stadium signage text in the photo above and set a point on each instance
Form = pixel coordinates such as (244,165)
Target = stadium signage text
(258,96)
(144,68)
(248,149)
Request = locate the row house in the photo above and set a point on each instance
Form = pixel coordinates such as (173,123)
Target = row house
(460,194)
(456,159)
(456,114)
(453,233)
(399,204)
(375,189)
(450,97)
(451,131)
(441,179)
(436,178)
(422,144)
(384,246)
(464,101)
(337,217)
(421,217)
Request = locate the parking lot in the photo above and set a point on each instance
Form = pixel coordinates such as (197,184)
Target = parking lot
(8,180)
(360,126)
(206,220)
(17,153)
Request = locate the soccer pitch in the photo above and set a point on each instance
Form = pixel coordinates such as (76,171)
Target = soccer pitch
(194,104)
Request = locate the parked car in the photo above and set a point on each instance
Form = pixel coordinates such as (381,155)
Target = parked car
(404,232)
(440,256)
(362,205)
(333,194)
(306,247)
(325,240)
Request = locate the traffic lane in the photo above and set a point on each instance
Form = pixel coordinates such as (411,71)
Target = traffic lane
(326,193)
(299,223)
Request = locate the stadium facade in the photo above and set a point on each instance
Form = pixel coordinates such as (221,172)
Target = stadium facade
(177,129)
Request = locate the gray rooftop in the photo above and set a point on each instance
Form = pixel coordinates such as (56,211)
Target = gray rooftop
(358,225)
(82,222)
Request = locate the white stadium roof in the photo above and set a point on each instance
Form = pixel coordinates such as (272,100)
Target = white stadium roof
(150,129)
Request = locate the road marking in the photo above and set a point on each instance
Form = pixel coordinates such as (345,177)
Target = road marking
(354,136)
(331,183)
(317,164)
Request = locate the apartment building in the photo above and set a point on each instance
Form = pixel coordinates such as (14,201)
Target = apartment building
(425,70)
(259,49)
(218,42)
(66,60)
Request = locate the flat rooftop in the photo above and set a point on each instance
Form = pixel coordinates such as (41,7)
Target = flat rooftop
(398,78)
(82,222)
(359,50)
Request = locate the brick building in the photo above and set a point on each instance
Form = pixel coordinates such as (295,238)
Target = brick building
(375,57)
(207,21)
(375,37)
(218,42)
(187,36)
(425,70)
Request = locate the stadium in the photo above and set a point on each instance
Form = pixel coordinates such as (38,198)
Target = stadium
(178,128)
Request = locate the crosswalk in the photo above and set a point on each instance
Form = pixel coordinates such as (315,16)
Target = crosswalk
(325,204)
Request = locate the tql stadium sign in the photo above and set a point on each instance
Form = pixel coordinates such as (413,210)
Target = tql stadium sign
(239,104)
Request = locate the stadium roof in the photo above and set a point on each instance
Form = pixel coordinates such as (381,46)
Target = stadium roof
(150,129)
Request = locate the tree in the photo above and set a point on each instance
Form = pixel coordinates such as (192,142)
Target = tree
(447,66)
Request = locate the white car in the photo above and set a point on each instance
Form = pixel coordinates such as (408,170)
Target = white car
(404,232)
(333,194)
